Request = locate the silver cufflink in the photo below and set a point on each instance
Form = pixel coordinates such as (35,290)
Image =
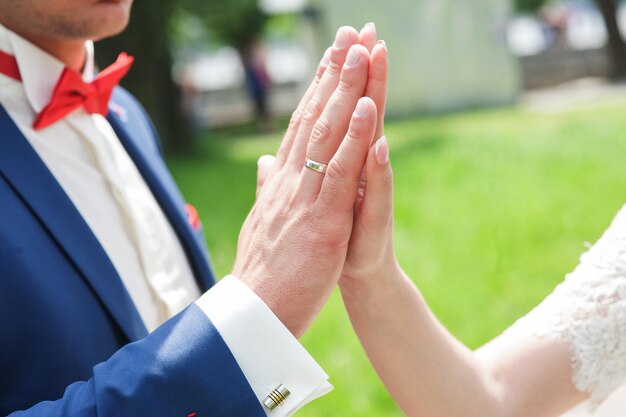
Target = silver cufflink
(276,397)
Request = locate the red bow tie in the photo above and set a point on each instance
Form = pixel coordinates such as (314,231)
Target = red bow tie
(71,92)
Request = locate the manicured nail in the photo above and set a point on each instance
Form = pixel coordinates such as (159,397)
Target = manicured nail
(354,57)
(383,44)
(342,39)
(362,108)
(381,148)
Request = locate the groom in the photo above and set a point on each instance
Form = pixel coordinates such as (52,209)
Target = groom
(107,302)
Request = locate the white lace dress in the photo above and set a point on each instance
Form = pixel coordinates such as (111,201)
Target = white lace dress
(588,311)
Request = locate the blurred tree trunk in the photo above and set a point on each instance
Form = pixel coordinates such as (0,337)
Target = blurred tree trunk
(617,48)
(150,80)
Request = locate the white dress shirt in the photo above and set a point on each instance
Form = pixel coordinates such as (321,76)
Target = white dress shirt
(87,159)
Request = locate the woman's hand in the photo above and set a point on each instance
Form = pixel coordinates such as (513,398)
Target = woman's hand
(370,253)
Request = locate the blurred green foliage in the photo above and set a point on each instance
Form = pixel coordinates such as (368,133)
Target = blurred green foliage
(147,37)
(159,28)
(492,209)
(529,5)
(237,23)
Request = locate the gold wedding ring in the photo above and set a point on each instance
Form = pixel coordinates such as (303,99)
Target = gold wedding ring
(315,166)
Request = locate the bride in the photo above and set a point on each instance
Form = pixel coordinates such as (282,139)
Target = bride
(568,352)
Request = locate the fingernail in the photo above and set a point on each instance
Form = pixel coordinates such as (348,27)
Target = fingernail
(383,44)
(342,39)
(381,149)
(354,57)
(362,108)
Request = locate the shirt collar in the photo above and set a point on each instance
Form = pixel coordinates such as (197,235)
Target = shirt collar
(39,70)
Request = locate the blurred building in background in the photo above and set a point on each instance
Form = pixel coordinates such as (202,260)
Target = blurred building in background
(445,55)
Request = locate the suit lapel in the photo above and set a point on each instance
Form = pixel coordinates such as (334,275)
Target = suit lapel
(137,137)
(25,171)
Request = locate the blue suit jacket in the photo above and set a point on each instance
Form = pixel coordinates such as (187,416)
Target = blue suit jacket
(66,319)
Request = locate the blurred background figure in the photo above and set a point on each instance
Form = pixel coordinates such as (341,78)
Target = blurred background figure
(258,82)
(555,19)
(249,60)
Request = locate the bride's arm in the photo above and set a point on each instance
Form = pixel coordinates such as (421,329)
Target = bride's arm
(431,374)
(427,371)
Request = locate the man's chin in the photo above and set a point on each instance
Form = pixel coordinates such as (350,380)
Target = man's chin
(123,3)
(110,32)
(113,16)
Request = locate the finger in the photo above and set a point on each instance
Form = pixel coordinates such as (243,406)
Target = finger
(345,38)
(341,181)
(264,167)
(375,213)
(361,189)
(368,36)
(377,84)
(331,127)
(294,123)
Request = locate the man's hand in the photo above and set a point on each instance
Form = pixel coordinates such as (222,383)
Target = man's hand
(293,244)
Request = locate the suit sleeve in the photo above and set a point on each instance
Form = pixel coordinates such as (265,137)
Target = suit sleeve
(184,368)
(221,357)
(267,353)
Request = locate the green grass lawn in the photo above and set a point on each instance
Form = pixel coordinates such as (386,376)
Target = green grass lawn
(492,209)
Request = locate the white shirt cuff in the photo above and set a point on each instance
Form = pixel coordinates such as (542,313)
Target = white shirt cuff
(265,350)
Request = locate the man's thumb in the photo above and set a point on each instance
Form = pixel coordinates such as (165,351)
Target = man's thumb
(264,167)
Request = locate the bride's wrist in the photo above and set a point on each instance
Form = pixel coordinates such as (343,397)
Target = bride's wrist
(374,278)
(371,297)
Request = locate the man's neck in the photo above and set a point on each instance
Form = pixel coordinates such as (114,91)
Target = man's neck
(70,52)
